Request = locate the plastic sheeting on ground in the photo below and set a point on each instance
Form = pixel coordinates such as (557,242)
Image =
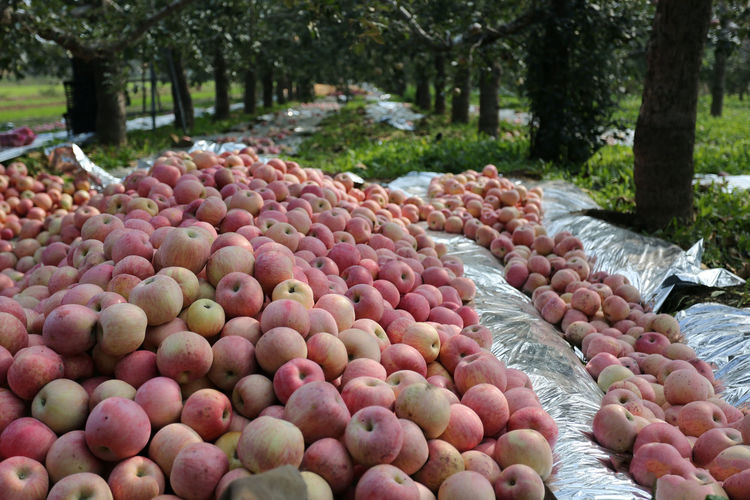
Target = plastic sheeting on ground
(719,334)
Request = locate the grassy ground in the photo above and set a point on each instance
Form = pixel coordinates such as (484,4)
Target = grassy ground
(350,142)
(40,101)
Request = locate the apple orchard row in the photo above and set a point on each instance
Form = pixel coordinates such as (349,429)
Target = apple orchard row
(224,315)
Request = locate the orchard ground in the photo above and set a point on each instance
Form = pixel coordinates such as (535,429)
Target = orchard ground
(349,141)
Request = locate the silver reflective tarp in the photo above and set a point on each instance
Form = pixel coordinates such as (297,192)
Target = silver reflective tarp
(719,334)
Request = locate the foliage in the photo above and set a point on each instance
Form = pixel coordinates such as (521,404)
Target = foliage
(572,73)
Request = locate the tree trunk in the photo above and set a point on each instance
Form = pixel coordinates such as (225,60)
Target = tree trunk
(267,81)
(439,83)
(110,101)
(665,131)
(221,81)
(280,85)
(399,79)
(489,83)
(305,90)
(461,90)
(549,108)
(422,97)
(182,102)
(718,76)
(248,98)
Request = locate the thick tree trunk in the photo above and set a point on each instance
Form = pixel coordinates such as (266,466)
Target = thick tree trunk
(399,80)
(665,131)
(305,90)
(182,102)
(110,101)
(439,83)
(267,81)
(549,109)
(221,81)
(280,86)
(248,98)
(489,83)
(422,96)
(718,77)
(461,90)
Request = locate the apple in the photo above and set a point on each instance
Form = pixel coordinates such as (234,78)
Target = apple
(69,329)
(121,329)
(23,478)
(233,358)
(186,247)
(80,485)
(136,478)
(318,411)
(70,454)
(464,483)
(329,458)
(239,294)
(328,351)
(293,374)
(196,471)
(26,437)
(524,446)
(252,394)
(267,443)
(117,428)
(373,436)
(227,442)
(482,463)
(207,412)
(426,406)
(184,356)
(385,482)
(519,482)
(159,296)
(167,443)
(465,429)
(444,461)
(62,404)
(489,403)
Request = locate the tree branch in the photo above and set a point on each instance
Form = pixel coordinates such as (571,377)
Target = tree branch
(491,35)
(432,41)
(134,36)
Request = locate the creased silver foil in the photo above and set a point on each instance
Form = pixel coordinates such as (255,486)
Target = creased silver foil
(720,336)
(97,173)
(523,340)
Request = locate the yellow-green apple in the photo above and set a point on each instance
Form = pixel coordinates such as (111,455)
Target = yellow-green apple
(465,430)
(70,454)
(402,379)
(117,428)
(674,486)
(227,442)
(654,460)
(203,457)
(69,329)
(159,296)
(138,478)
(207,412)
(80,485)
(61,404)
(279,345)
(23,478)
(205,317)
(186,247)
(328,351)
(228,260)
(426,406)
(360,344)
(239,294)
(519,482)
(373,436)
(524,446)
(424,338)
(386,482)
(27,437)
(662,432)
(489,403)
(167,443)
(267,443)
(317,487)
(328,458)
(186,279)
(109,389)
(252,394)
(537,419)
(444,460)
(121,329)
(184,357)
(318,411)
(233,358)
(294,290)
(293,374)
(697,417)
(340,307)
(482,463)
(11,408)
(161,399)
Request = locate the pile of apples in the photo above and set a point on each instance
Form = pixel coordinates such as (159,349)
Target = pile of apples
(216,317)
(660,402)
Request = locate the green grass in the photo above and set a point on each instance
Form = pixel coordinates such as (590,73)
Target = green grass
(35,102)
